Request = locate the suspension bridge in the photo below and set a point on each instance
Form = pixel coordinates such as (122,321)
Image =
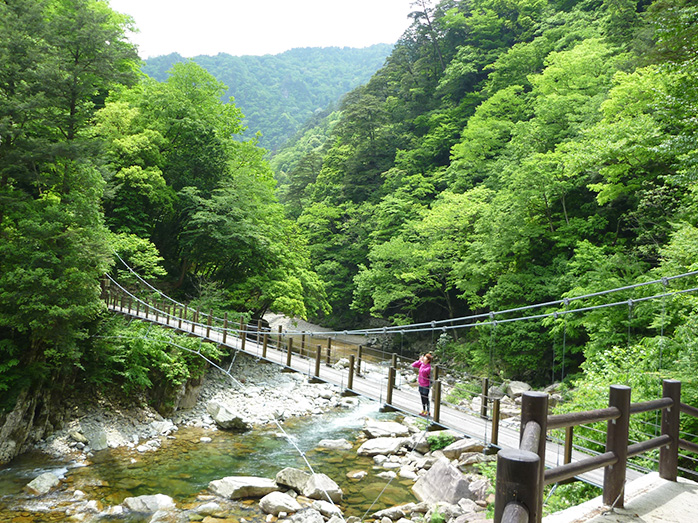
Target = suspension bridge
(320,363)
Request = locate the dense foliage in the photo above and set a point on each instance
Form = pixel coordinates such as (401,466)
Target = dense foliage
(279,93)
(96,160)
(512,153)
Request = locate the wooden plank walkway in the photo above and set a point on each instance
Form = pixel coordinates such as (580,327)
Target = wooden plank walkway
(405,398)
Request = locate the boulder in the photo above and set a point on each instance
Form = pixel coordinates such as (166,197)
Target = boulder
(225,418)
(77,436)
(42,484)
(455,449)
(516,388)
(308,515)
(495,392)
(293,478)
(443,483)
(326,508)
(149,503)
(320,486)
(96,438)
(276,502)
(380,429)
(335,444)
(376,446)
(236,487)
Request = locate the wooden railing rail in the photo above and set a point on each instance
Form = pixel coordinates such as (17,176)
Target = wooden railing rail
(518,470)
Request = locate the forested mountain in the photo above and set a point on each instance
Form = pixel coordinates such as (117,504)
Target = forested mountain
(512,153)
(278,93)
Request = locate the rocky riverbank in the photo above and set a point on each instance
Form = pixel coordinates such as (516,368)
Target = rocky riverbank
(445,481)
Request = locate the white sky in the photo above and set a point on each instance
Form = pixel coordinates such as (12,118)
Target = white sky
(258,27)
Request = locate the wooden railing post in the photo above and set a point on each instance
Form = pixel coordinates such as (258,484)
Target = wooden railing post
(156,309)
(437,401)
(569,437)
(168,314)
(669,454)
(617,442)
(393,365)
(184,315)
(208,323)
(130,303)
(485,389)
(147,308)
(435,369)
(225,327)
(302,343)
(278,338)
(358,359)
(328,362)
(195,318)
(534,408)
(265,343)
(518,481)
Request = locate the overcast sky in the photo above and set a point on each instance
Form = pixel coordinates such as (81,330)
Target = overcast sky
(258,27)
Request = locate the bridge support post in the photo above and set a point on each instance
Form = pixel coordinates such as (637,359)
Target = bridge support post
(391,385)
(437,401)
(485,389)
(318,356)
(617,442)
(495,422)
(518,484)
(669,454)
(289,352)
(534,408)
(350,380)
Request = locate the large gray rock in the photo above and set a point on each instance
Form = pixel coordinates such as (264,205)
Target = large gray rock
(517,388)
(319,486)
(42,484)
(225,418)
(326,508)
(236,487)
(149,503)
(380,429)
(335,444)
(443,483)
(96,438)
(308,515)
(293,478)
(276,502)
(455,449)
(376,446)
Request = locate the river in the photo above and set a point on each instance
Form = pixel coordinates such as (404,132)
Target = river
(184,465)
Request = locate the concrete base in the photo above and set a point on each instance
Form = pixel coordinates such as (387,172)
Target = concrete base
(649,499)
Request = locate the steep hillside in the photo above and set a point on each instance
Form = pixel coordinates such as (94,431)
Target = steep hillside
(278,93)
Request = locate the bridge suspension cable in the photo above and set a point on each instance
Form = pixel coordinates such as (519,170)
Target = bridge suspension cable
(471,320)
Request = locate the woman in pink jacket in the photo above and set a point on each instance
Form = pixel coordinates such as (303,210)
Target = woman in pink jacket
(424,380)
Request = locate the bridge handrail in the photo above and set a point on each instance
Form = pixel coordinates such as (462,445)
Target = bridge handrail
(520,486)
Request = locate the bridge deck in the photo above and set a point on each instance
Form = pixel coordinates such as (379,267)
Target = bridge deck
(405,399)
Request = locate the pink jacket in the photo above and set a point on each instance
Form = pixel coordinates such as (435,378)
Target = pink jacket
(424,377)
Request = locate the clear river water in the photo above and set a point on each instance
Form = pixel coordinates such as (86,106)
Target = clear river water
(183,467)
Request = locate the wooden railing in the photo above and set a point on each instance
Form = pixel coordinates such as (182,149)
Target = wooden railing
(521,474)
